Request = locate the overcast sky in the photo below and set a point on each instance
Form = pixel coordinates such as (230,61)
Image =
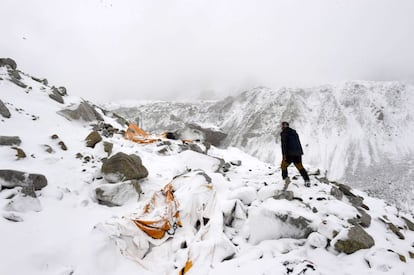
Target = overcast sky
(148,49)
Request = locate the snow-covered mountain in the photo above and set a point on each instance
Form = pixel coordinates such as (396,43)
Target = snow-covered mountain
(360,132)
(71,187)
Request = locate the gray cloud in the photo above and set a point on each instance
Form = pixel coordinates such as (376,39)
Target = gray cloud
(141,49)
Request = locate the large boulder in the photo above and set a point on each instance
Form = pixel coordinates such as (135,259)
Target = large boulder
(4,112)
(355,239)
(28,182)
(117,194)
(84,111)
(92,139)
(122,167)
(195,131)
(9,140)
(9,62)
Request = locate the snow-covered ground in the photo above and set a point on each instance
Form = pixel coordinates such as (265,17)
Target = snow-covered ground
(358,131)
(234,216)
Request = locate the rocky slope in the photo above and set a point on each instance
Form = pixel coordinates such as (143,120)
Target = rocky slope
(360,132)
(71,186)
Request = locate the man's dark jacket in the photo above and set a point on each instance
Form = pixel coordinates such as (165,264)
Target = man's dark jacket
(290,143)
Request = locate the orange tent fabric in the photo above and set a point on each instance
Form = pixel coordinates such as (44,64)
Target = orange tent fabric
(138,135)
(156,225)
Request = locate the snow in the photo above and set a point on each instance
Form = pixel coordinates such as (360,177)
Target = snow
(229,220)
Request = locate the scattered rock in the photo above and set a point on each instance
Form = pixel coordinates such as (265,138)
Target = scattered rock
(117,194)
(396,231)
(18,83)
(4,112)
(54,136)
(43,81)
(283,195)
(323,180)
(84,111)
(409,223)
(59,91)
(62,146)
(12,217)
(57,97)
(236,162)
(317,240)
(356,239)
(22,203)
(20,154)
(106,129)
(48,148)
(108,147)
(8,62)
(411,254)
(10,140)
(122,167)
(13,178)
(337,193)
(92,139)
(79,156)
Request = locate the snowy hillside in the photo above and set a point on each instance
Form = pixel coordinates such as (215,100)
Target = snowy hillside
(72,187)
(360,132)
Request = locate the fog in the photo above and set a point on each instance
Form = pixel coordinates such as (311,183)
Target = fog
(135,49)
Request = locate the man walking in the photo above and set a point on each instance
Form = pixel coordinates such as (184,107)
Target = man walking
(291,152)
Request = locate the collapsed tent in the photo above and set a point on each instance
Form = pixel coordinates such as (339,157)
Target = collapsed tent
(136,134)
(160,214)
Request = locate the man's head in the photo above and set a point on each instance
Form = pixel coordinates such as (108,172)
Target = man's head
(285,124)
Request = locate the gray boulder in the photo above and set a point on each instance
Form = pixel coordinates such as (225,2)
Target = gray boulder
(356,239)
(9,140)
(208,135)
(409,223)
(4,112)
(122,167)
(92,139)
(84,111)
(28,182)
(8,62)
(56,97)
(117,194)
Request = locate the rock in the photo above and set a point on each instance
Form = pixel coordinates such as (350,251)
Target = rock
(108,147)
(8,62)
(117,194)
(356,239)
(209,135)
(12,217)
(22,203)
(62,91)
(4,112)
(48,148)
(337,193)
(345,189)
(57,98)
(13,178)
(236,162)
(84,111)
(122,167)
(92,139)
(283,195)
(317,240)
(20,154)
(43,81)
(106,129)
(409,223)
(62,146)
(364,219)
(323,180)
(411,254)
(10,140)
(396,231)
(18,83)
